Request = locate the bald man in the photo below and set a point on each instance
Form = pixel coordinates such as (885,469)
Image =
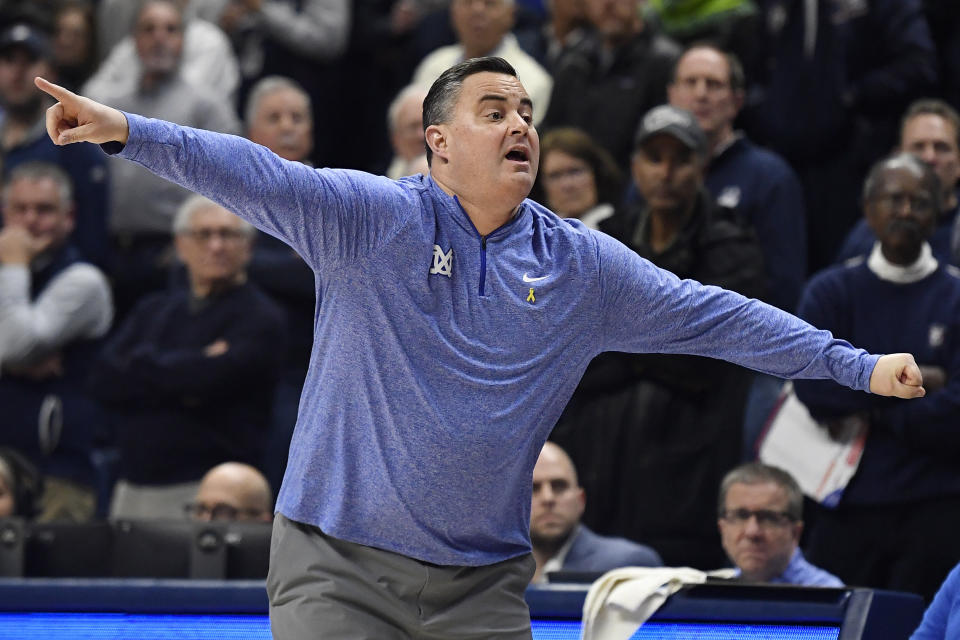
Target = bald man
(560,542)
(233,491)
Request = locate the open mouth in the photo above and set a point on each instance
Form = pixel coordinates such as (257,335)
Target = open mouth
(518,155)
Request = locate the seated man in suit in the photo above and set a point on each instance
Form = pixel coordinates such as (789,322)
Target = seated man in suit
(560,542)
(760,518)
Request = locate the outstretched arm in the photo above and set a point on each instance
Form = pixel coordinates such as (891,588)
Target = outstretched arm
(329,216)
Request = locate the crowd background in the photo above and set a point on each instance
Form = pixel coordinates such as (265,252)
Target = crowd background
(191,365)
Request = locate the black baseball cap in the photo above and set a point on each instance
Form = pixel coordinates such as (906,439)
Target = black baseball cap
(27,37)
(675,122)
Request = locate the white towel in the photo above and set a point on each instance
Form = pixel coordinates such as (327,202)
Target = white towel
(622,599)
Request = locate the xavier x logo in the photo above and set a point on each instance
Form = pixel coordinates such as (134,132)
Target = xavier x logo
(442,262)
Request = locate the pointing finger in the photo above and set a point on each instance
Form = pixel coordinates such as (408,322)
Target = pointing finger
(54,90)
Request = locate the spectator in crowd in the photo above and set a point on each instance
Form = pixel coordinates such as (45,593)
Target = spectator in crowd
(207,61)
(560,541)
(53,309)
(483,29)
(930,129)
(25,54)
(304,41)
(405,124)
(757,184)
(75,55)
(833,78)
(280,118)
(760,516)
(894,527)
(235,492)
(653,429)
(189,376)
(941,621)
(579,179)
(21,485)
(606,82)
(564,27)
(142,205)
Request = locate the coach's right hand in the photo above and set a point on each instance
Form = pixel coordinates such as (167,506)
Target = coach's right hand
(78,119)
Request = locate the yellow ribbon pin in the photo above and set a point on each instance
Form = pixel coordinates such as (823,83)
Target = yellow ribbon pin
(530,297)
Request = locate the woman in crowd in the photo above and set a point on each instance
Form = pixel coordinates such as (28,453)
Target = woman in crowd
(578,178)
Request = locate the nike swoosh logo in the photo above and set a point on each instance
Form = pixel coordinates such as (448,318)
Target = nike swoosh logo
(527,278)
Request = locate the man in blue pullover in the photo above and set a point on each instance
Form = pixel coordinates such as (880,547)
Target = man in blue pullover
(895,527)
(456,319)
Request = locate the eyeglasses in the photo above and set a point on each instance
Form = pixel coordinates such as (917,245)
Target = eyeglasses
(219,511)
(899,200)
(206,235)
(766,518)
(572,172)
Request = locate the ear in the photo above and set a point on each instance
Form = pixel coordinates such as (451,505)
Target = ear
(436,137)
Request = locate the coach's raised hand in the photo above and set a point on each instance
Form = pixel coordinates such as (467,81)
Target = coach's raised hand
(78,119)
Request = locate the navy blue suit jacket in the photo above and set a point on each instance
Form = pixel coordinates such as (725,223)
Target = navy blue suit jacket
(593,552)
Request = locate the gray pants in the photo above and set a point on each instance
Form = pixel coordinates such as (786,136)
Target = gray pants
(324,588)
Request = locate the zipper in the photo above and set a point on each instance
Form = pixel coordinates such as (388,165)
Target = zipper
(483,263)
(483,243)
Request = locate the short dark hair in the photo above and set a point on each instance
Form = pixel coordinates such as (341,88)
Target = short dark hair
(934,107)
(758,473)
(736,76)
(907,161)
(443,94)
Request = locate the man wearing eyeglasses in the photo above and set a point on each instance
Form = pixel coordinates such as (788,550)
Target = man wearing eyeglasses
(189,377)
(760,519)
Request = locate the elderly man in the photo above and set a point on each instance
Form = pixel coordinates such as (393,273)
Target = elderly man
(232,491)
(53,309)
(142,205)
(455,321)
(405,124)
(757,184)
(760,516)
(483,29)
(24,54)
(189,375)
(894,526)
(930,130)
(560,542)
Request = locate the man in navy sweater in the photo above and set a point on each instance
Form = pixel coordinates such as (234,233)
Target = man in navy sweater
(456,319)
(190,374)
(896,525)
